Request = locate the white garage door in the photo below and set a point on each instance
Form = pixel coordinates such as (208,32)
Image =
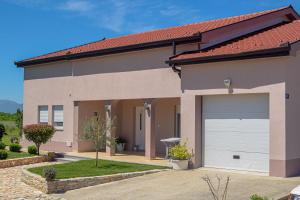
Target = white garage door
(236,132)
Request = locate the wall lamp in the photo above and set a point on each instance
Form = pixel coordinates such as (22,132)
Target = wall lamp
(108,108)
(146,105)
(227,83)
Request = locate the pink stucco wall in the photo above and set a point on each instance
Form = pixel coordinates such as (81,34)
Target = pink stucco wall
(127,76)
(132,77)
(274,76)
(124,117)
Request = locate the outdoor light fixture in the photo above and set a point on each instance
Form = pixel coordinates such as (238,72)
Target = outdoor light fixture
(146,105)
(107,108)
(227,83)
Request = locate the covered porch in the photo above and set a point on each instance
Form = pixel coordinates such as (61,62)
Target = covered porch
(141,122)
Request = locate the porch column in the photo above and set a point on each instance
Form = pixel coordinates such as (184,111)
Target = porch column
(109,114)
(191,126)
(149,129)
(75,145)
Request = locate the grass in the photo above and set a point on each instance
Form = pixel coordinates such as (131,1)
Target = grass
(12,155)
(86,168)
(11,130)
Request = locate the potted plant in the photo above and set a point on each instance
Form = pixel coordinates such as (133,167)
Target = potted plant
(120,144)
(180,156)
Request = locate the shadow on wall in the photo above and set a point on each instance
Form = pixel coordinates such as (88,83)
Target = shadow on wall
(245,74)
(132,61)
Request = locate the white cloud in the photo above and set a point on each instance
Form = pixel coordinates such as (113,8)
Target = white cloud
(119,16)
(172,11)
(28,3)
(77,6)
(115,18)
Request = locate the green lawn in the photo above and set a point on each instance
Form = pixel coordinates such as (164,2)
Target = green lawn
(11,130)
(12,155)
(85,168)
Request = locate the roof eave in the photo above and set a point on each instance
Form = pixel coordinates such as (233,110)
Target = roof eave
(274,52)
(157,44)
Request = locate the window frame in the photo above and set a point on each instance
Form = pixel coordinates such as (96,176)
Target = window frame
(54,123)
(39,114)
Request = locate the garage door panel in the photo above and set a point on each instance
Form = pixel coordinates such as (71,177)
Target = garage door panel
(249,125)
(247,161)
(233,104)
(240,144)
(236,124)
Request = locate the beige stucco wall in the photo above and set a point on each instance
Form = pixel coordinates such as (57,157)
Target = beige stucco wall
(164,120)
(125,119)
(133,75)
(86,110)
(274,76)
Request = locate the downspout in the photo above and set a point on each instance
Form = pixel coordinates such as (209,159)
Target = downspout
(178,71)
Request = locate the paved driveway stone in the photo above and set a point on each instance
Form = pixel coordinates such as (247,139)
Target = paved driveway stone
(11,187)
(184,185)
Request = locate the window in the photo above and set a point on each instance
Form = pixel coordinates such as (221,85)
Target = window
(177,121)
(58,117)
(43,115)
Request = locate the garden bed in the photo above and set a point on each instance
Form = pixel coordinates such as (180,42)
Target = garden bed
(13,155)
(84,173)
(86,168)
(16,159)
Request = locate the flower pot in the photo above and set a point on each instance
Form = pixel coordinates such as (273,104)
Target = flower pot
(180,164)
(120,147)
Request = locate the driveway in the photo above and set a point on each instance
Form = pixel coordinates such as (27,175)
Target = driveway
(11,186)
(186,185)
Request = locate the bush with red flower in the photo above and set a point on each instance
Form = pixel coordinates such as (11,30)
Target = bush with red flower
(39,134)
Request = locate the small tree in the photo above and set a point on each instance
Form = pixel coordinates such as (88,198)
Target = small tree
(218,192)
(19,121)
(2,131)
(39,134)
(95,130)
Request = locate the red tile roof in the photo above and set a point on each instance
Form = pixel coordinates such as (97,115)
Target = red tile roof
(184,31)
(274,37)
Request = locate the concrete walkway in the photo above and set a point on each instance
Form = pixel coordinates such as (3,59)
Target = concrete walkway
(132,157)
(11,186)
(187,185)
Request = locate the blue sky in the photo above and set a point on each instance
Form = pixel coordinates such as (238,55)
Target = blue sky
(34,27)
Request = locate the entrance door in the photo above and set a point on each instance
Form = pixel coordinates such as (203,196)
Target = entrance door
(140,127)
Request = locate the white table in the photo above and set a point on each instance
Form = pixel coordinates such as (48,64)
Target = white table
(169,142)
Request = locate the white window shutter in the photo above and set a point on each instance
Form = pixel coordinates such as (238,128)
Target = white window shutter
(43,114)
(58,114)
(58,117)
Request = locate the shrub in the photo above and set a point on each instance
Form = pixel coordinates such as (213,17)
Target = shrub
(2,145)
(2,131)
(49,173)
(51,156)
(15,147)
(14,140)
(3,154)
(180,152)
(32,149)
(39,134)
(257,197)
(120,140)
(19,121)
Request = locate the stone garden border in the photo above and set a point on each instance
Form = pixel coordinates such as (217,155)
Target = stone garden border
(63,185)
(22,161)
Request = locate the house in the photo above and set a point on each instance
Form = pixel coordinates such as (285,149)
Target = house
(228,87)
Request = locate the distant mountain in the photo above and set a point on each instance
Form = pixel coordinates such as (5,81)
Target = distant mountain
(8,106)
